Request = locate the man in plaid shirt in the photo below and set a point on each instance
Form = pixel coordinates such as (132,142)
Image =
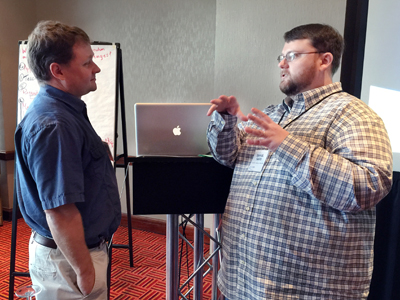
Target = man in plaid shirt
(300,218)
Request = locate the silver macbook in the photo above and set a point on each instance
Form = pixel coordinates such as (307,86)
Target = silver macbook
(171,129)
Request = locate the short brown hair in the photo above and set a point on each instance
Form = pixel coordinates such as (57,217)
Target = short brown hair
(52,42)
(323,37)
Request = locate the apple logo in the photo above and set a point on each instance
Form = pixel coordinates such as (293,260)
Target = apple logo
(177,130)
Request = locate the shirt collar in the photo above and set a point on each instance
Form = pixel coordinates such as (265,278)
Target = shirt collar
(69,99)
(309,98)
(287,104)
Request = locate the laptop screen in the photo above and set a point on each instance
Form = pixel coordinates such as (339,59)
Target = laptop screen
(171,129)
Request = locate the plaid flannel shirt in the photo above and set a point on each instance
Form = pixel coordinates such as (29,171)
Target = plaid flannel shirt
(303,227)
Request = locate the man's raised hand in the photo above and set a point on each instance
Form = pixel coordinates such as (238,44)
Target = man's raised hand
(226,105)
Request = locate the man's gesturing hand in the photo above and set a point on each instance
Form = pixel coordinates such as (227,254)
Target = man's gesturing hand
(271,135)
(226,105)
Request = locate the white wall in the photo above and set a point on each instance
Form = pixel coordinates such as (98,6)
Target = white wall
(381,67)
(16,21)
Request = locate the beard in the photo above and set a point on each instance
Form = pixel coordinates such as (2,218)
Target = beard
(291,86)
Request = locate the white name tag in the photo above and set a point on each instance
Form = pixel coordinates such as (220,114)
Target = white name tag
(258,160)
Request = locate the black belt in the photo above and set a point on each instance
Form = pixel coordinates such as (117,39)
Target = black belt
(50,243)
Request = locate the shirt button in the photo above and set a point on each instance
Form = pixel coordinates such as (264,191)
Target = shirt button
(247,208)
(243,236)
(254,182)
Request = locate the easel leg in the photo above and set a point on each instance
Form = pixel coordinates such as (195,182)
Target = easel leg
(13,249)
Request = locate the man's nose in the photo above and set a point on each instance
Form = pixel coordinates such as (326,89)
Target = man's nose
(97,69)
(283,63)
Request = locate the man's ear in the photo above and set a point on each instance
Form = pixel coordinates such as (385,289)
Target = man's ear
(56,71)
(326,60)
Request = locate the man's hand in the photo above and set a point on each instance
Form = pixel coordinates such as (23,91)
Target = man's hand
(227,105)
(86,282)
(271,135)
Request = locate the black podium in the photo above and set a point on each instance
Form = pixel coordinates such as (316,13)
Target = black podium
(179,185)
(175,186)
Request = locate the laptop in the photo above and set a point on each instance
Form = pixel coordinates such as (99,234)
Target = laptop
(171,129)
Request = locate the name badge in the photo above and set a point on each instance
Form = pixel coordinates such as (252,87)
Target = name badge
(258,160)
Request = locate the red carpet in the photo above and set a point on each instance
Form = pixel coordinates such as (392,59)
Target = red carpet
(146,280)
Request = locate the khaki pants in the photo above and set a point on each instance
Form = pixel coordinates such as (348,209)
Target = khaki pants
(51,271)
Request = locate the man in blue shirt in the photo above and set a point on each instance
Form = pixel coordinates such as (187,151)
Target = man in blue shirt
(66,186)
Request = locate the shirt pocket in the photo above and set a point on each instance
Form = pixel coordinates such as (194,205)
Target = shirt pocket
(97,156)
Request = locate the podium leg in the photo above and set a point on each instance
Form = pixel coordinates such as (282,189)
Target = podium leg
(172,280)
(215,259)
(198,257)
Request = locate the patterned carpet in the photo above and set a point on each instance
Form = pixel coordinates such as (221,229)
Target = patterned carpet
(146,280)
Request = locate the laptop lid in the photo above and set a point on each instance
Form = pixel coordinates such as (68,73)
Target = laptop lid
(171,129)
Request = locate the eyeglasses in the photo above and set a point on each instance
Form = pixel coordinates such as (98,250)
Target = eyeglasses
(290,56)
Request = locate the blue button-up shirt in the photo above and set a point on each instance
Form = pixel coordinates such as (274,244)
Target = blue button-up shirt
(59,160)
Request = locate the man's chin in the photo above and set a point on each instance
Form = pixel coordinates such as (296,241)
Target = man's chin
(93,88)
(90,90)
(288,89)
(284,89)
